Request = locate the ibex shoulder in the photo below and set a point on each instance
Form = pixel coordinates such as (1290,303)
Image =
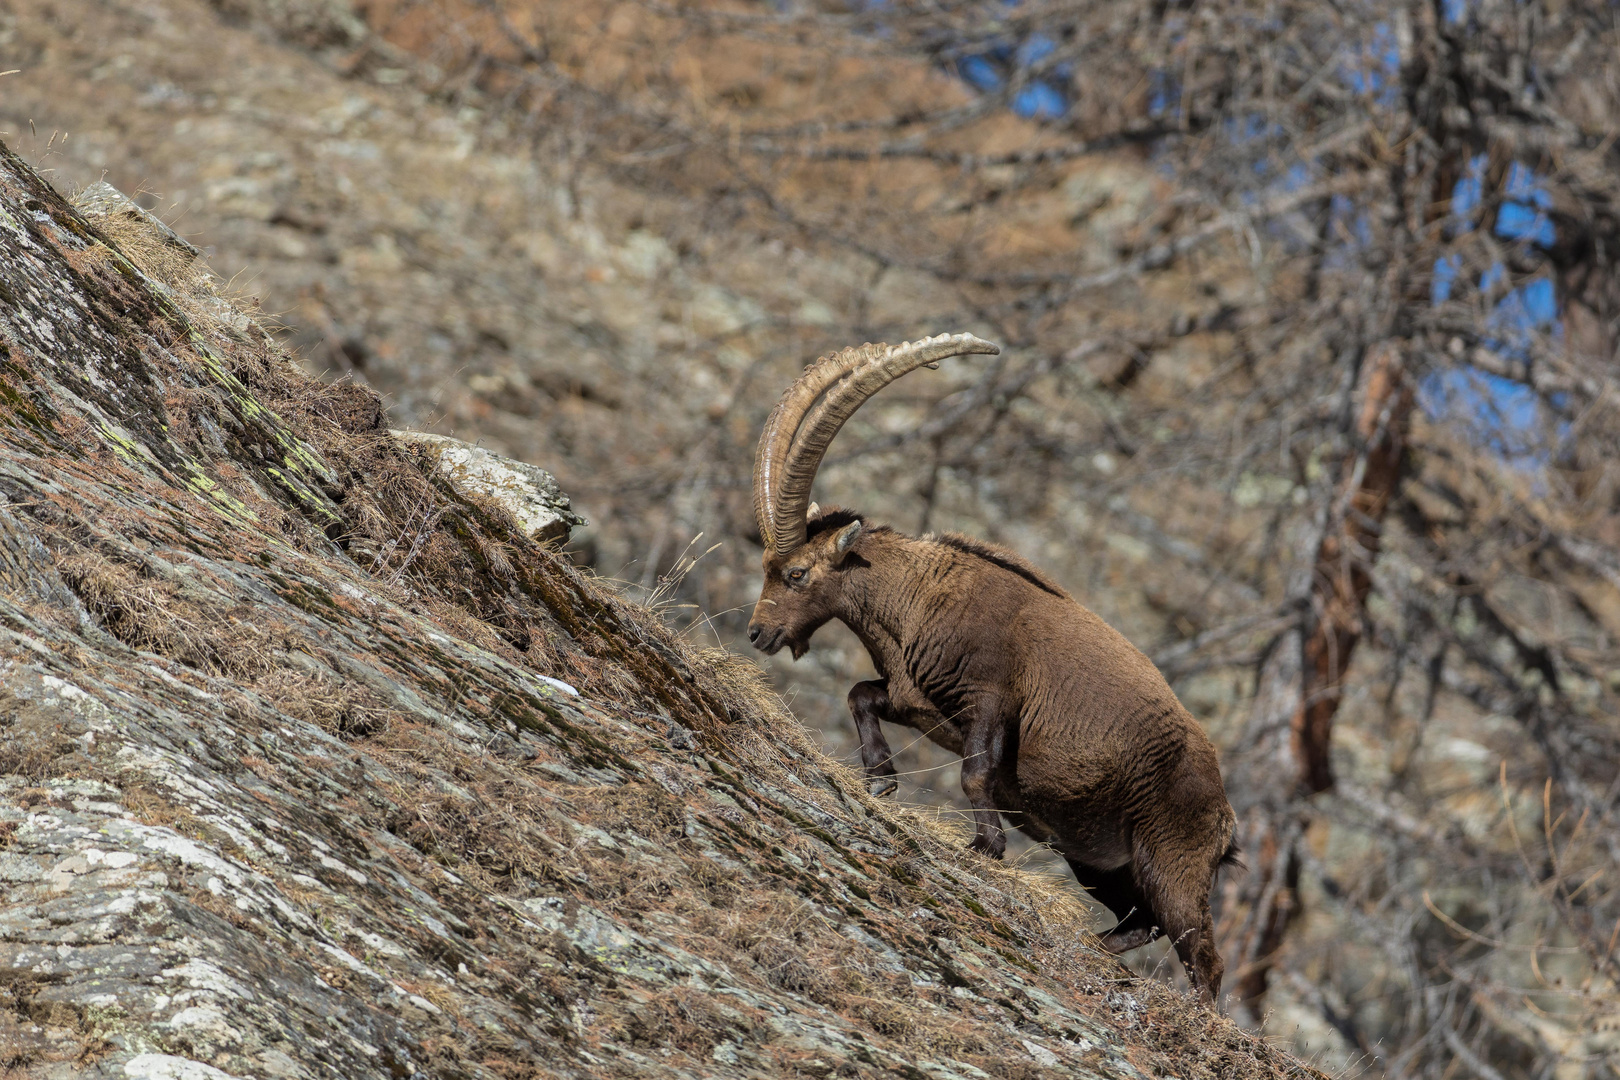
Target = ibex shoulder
(1002,557)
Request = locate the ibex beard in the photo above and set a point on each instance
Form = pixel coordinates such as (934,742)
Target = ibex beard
(1062,724)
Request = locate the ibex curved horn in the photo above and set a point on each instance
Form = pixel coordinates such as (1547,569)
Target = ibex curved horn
(793,443)
(783,424)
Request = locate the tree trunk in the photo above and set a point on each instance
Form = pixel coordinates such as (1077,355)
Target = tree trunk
(1301,681)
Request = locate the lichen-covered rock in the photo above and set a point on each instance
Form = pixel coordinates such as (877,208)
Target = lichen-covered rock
(528,492)
(312,764)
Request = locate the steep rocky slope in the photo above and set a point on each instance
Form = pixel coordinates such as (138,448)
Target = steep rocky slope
(500,283)
(312,765)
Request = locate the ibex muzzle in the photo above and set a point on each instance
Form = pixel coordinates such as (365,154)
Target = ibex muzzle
(1062,724)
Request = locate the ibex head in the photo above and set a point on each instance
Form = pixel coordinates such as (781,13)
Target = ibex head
(804,564)
(802,589)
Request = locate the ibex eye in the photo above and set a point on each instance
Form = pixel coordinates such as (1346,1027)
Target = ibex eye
(795,575)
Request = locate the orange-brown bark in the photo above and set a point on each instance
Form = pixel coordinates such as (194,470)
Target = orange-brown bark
(1344,563)
(1302,683)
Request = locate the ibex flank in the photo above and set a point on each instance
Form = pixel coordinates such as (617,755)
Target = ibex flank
(1062,724)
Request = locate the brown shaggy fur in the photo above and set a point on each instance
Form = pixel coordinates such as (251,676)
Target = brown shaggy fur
(1063,725)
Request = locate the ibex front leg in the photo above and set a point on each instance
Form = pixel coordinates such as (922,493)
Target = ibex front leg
(984,745)
(869,704)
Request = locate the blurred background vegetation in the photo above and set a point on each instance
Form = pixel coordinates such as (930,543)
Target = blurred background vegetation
(1310,319)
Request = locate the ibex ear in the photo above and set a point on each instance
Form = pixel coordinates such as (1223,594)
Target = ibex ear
(847,537)
(814,511)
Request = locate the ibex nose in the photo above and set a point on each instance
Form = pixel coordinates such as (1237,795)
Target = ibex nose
(753,633)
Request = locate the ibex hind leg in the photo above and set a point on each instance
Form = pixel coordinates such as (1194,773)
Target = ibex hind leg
(1178,888)
(1117,891)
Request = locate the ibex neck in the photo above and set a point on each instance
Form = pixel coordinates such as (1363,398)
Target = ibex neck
(884,590)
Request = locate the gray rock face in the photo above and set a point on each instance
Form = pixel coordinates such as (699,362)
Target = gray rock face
(311,765)
(526,491)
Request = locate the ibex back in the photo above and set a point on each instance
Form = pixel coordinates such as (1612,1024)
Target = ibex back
(1062,724)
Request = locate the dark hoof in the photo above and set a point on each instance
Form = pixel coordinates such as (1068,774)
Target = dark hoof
(1130,939)
(989,846)
(883,785)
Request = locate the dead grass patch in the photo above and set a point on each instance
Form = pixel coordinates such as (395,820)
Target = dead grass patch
(679,1019)
(436,994)
(165,262)
(151,615)
(152,806)
(741,684)
(488,826)
(793,947)
(706,885)
(762,725)
(32,744)
(224,908)
(644,809)
(26,1040)
(344,709)
(511,1068)
(1003,1067)
(171,262)
(467,626)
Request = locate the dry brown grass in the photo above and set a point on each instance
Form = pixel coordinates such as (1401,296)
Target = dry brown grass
(679,1019)
(345,709)
(207,301)
(153,807)
(35,1033)
(152,615)
(490,828)
(435,993)
(162,260)
(30,747)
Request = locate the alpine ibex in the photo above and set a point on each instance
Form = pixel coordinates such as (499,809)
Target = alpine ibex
(1061,723)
